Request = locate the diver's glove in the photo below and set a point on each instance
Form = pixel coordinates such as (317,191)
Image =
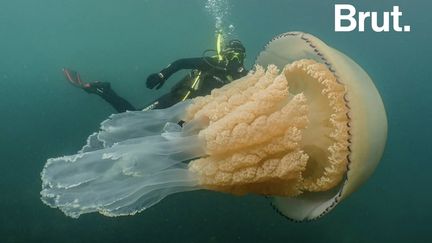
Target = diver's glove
(155,79)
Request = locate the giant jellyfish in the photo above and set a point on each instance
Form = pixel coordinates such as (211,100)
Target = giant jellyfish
(306,128)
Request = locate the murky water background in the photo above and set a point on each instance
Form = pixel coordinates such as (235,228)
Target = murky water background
(123,41)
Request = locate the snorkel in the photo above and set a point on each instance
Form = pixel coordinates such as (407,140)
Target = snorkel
(219,41)
(234,49)
(219,52)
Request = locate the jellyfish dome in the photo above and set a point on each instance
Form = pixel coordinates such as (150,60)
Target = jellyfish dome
(364,121)
(306,127)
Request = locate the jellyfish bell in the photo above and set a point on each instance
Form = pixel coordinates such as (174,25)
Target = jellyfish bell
(366,116)
(307,130)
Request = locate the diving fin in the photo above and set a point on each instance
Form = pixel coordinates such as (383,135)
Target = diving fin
(74,78)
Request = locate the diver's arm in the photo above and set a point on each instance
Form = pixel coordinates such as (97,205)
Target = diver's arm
(200,63)
(157,80)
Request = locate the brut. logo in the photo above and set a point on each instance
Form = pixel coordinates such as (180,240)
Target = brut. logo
(351,23)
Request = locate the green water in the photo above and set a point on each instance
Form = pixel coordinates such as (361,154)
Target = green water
(123,41)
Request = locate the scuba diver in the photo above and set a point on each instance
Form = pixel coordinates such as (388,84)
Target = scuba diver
(208,73)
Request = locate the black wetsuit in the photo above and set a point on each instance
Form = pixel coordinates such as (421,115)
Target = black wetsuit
(211,74)
(103,89)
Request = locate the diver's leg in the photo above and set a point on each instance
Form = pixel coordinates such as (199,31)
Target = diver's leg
(163,102)
(177,94)
(103,89)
